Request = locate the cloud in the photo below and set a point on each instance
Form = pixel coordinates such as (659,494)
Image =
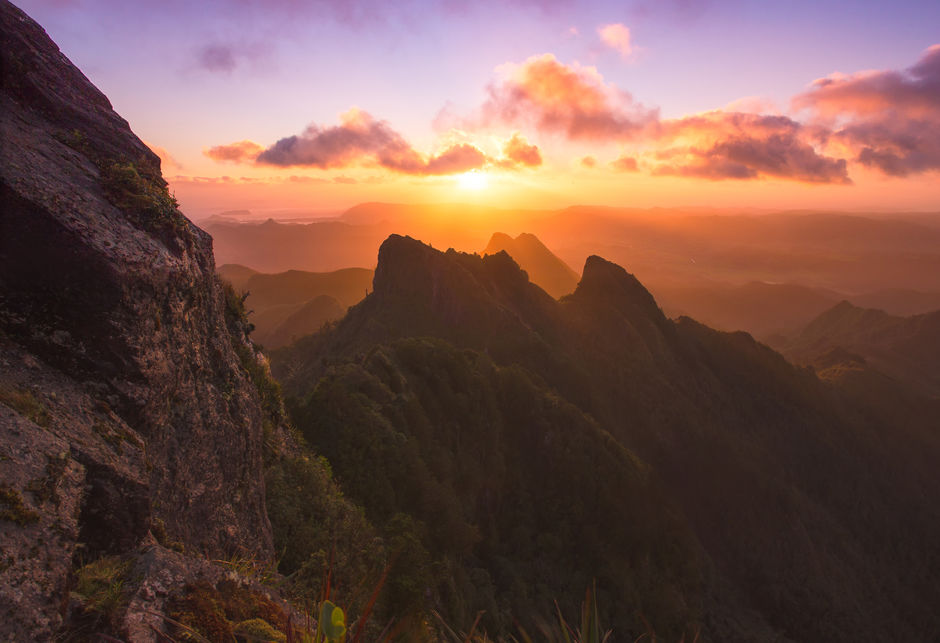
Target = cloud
(680,10)
(566,99)
(625,164)
(890,120)
(735,145)
(269,180)
(589,162)
(913,94)
(240,152)
(359,139)
(518,152)
(617,37)
(224,57)
(216,58)
(207,180)
(896,147)
(293,178)
(454,160)
(358,136)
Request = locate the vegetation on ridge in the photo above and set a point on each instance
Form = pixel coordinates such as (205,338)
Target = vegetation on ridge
(525,446)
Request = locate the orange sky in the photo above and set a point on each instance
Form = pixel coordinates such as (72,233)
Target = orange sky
(550,134)
(307,108)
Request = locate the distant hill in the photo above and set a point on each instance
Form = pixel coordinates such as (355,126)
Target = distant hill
(841,252)
(524,447)
(899,301)
(348,286)
(288,305)
(546,270)
(670,250)
(301,320)
(904,348)
(236,274)
(759,308)
(272,247)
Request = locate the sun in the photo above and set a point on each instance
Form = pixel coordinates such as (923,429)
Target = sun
(472,180)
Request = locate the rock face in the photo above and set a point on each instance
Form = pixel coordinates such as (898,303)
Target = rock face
(127,408)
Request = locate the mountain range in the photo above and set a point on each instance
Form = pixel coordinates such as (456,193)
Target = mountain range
(285,306)
(461,449)
(544,268)
(765,273)
(904,348)
(755,476)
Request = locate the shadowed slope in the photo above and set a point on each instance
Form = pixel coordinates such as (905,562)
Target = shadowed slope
(773,472)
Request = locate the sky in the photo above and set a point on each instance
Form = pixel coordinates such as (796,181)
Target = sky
(303,108)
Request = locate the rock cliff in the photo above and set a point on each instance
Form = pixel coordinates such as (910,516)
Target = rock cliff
(128,413)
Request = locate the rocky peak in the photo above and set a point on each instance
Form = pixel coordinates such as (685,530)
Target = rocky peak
(606,284)
(409,268)
(499,241)
(38,76)
(543,268)
(403,264)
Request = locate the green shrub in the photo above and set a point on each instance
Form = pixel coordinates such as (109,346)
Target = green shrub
(25,403)
(100,585)
(146,198)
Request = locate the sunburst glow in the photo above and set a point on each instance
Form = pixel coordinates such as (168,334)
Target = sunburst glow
(472,180)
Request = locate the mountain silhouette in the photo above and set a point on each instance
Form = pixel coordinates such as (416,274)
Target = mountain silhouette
(236,274)
(904,348)
(762,309)
(282,324)
(766,470)
(488,450)
(288,305)
(544,269)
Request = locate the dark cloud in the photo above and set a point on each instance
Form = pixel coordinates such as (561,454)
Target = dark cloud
(225,57)
(358,136)
(358,140)
(912,94)
(217,58)
(896,147)
(569,100)
(890,120)
(735,145)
